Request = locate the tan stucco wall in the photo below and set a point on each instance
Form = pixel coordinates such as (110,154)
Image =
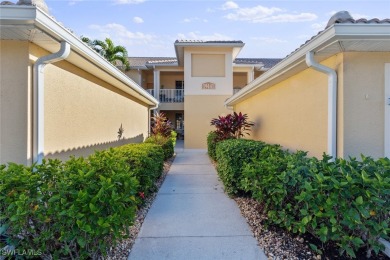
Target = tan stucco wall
(239,79)
(207,65)
(135,75)
(293,113)
(364,103)
(83,113)
(14,102)
(171,106)
(193,84)
(168,79)
(198,112)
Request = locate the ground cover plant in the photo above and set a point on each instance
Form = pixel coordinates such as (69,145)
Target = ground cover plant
(344,202)
(78,208)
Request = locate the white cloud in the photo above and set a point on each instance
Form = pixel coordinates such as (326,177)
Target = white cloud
(73,2)
(262,14)
(268,39)
(194,19)
(137,19)
(319,26)
(229,5)
(122,2)
(198,36)
(121,36)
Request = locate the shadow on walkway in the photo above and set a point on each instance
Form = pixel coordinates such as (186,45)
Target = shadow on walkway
(192,217)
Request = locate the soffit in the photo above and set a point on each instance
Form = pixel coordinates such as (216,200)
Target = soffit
(31,24)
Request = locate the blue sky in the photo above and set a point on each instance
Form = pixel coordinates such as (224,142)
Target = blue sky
(269,29)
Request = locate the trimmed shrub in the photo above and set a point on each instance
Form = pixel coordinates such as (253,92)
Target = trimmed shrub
(212,139)
(346,201)
(145,161)
(165,142)
(231,156)
(76,209)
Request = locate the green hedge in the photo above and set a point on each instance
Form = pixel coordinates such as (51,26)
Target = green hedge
(145,161)
(212,140)
(78,208)
(231,156)
(345,201)
(165,142)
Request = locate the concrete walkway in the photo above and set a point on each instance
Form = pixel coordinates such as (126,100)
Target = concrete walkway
(192,218)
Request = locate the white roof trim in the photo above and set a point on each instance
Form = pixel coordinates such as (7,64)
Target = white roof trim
(12,15)
(333,34)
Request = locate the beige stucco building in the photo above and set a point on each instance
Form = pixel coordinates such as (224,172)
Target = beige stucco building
(58,96)
(193,86)
(330,95)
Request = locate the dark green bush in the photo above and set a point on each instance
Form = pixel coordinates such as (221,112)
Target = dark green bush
(165,142)
(75,209)
(231,156)
(69,209)
(212,139)
(346,201)
(145,161)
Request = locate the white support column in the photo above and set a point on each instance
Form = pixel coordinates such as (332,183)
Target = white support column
(156,74)
(140,78)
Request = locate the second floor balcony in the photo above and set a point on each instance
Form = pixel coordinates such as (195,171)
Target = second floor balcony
(169,95)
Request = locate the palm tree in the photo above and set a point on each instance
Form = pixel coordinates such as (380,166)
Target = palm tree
(109,51)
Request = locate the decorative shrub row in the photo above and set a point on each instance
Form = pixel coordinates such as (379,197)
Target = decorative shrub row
(231,156)
(145,161)
(78,208)
(345,201)
(212,140)
(166,143)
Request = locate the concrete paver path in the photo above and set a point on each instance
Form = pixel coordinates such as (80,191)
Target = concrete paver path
(192,218)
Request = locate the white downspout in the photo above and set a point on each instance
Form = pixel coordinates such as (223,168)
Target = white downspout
(38,99)
(332,102)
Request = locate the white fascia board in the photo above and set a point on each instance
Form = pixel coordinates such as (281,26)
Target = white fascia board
(30,14)
(179,48)
(279,69)
(337,32)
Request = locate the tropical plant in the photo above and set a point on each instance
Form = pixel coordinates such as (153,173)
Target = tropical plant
(108,50)
(161,125)
(232,125)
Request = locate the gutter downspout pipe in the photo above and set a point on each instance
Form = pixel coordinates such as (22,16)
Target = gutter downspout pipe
(38,99)
(332,102)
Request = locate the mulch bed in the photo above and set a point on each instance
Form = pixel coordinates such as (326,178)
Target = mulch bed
(278,243)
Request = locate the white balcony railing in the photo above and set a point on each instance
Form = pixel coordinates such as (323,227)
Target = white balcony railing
(170,95)
(150,91)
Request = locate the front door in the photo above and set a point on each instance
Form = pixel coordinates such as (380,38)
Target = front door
(387,110)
